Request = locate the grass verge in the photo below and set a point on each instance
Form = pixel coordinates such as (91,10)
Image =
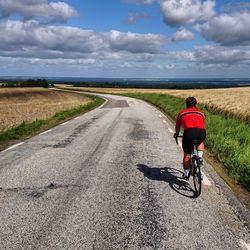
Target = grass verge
(27,130)
(227,139)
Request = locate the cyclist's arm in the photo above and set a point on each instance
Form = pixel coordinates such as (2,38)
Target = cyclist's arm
(177,129)
(177,126)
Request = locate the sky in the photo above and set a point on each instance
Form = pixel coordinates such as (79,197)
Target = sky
(125,38)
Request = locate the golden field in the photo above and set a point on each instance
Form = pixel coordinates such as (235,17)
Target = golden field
(28,104)
(233,101)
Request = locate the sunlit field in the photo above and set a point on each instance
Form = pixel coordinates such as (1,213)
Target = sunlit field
(19,105)
(231,101)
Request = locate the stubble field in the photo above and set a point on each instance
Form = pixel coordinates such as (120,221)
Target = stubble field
(19,105)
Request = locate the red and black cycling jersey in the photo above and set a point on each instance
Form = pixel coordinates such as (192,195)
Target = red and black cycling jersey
(191,118)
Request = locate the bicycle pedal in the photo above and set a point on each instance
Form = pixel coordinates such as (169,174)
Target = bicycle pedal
(201,161)
(185,177)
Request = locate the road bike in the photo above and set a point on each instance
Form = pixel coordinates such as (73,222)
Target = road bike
(195,169)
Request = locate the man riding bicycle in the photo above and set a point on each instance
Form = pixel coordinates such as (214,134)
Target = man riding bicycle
(192,119)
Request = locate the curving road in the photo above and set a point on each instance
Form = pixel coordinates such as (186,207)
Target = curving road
(111,179)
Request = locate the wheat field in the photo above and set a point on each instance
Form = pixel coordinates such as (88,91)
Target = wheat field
(28,104)
(232,101)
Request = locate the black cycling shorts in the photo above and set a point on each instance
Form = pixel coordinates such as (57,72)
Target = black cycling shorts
(191,136)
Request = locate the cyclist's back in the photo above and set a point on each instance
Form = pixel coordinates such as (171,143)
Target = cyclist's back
(191,118)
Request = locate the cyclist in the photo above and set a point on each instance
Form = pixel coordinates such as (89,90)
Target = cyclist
(192,119)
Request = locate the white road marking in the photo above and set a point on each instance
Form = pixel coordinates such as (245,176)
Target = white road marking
(164,121)
(170,130)
(77,118)
(205,180)
(45,132)
(65,123)
(160,115)
(244,245)
(14,146)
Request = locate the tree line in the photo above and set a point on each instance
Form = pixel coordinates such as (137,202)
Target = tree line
(26,83)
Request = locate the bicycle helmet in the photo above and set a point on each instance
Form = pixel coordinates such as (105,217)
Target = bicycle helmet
(191,101)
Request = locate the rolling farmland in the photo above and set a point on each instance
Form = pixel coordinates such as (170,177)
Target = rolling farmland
(232,101)
(29,104)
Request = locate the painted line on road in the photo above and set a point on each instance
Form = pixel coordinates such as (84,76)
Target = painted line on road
(64,123)
(170,130)
(205,180)
(160,115)
(14,146)
(164,121)
(77,118)
(45,132)
(244,245)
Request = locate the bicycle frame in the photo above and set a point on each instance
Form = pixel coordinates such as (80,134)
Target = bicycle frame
(195,170)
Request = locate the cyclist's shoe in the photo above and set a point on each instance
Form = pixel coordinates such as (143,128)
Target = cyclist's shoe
(184,177)
(186,174)
(200,161)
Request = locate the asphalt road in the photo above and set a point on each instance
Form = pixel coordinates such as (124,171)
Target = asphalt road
(110,179)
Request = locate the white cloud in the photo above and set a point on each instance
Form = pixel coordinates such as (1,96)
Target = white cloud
(166,66)
(133,17)
(236,6)
(30,9)
(30,39)
(179,55)
(208,10)
(33,40)
(29,42)
(227,29)
(182,12)
(135,43)
(126,65)
(183,34)
(214,54)
(139,1)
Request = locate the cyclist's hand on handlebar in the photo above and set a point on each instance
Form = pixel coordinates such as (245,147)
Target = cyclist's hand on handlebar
(176,135)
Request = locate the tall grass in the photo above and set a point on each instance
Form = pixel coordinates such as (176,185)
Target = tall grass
(26,130)
(227,139)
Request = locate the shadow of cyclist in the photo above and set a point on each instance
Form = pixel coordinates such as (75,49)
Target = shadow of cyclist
(169,175)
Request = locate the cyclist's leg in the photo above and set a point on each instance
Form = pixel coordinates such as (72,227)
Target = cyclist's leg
(187,145)
(200,137)
(186,161)
(201,146)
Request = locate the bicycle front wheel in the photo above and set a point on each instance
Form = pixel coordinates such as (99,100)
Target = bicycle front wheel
(196,176)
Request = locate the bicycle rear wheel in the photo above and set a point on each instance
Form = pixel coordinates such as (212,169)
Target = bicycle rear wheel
(196,176)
